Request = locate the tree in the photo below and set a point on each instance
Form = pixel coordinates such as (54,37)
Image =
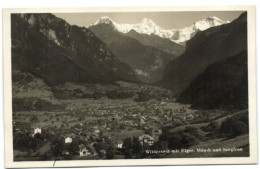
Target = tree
(110,152)
(143,96)
(99,146)
(34,119)
(137,147)
(73,148)
(57,148)
(148,131)
(239,128)
(188,140)
(97,95)
(212,126)
(235,125)
(22,141)
(227,125)
(174,141)
(177,140)
(128,154)
(127,143)
(192,130)
(132,147)
(163,145)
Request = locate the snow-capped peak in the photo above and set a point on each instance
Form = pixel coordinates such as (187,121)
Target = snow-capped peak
(213,18)
(147,22)
(104,20)
(208,22)
(147,26)
(185,34)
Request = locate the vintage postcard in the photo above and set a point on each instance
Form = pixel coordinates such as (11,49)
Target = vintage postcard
(129,86)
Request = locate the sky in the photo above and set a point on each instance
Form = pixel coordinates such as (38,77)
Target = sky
(166,20)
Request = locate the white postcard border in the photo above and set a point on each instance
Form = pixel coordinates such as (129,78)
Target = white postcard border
(9,163)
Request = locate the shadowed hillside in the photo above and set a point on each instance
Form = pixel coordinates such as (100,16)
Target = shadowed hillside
(221,85)
(205,48)
(57,52)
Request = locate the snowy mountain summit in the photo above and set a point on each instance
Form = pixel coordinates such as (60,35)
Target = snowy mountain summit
(147,26)
(208,22)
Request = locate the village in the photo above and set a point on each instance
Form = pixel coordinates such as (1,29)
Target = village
(93,126)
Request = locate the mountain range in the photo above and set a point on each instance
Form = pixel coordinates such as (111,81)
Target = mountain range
(209,72)
(145,46)
(148,27)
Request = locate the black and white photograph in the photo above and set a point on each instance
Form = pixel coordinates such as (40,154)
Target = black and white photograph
(130,85)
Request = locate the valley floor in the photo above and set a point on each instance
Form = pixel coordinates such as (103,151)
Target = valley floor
(97,124)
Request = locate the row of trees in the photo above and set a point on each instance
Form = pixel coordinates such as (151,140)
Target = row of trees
(22,78)
(119,94)
(139,96)
(22,104)
(77,93)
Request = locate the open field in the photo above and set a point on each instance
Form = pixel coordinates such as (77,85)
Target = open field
(124,134)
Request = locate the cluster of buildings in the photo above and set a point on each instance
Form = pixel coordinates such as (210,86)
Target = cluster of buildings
(89,150)
(109,120)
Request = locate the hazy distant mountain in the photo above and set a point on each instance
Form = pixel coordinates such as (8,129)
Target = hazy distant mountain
(57,52)
(148,27)
(153,40)
(148,62)
(205,48)
(222,85)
